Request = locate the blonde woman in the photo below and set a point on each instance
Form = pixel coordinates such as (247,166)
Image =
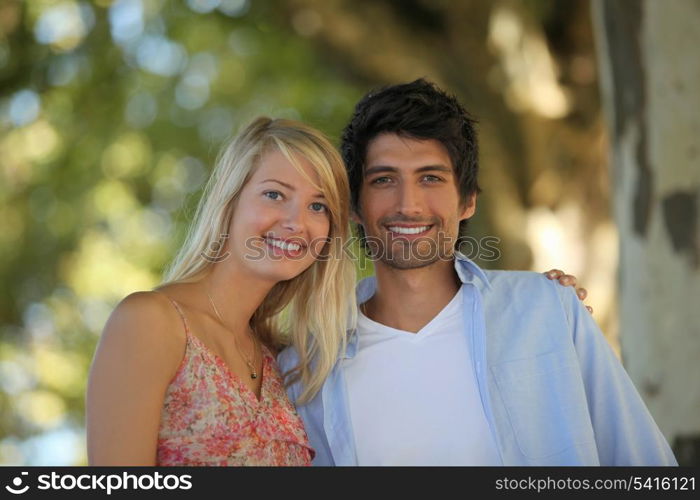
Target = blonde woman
(186,374)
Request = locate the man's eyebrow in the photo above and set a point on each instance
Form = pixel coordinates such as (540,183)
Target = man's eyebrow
(388,169)
(434,168)
(290,187)
(380,169)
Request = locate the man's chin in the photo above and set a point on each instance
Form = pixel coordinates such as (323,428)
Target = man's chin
(399,262)
(408,255)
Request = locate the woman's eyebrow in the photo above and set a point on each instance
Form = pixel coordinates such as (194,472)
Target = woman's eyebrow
(290,187)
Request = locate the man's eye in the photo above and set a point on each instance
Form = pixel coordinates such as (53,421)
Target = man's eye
(432,178)
(380,180)
(318,207)
(273,195)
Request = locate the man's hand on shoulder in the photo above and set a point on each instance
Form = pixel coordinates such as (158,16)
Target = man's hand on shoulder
(568,280)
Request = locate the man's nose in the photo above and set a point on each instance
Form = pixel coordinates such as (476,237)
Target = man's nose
(410,201)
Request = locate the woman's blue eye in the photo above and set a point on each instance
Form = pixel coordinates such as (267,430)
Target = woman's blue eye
(318,207)
(273,195)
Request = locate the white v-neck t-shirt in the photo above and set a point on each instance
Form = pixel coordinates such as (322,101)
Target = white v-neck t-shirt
(414,399)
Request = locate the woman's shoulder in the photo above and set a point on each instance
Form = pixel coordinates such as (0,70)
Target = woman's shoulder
(153,307)
(147,318)
(142,344)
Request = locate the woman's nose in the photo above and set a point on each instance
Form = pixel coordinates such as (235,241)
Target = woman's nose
(294,222)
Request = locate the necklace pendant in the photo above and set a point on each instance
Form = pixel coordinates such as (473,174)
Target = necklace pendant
(253,375)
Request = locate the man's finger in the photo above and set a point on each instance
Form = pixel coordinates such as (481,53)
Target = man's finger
(582,293)
(590,309)
(554,274)
(568,280)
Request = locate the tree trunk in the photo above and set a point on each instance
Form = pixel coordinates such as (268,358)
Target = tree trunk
(649,78)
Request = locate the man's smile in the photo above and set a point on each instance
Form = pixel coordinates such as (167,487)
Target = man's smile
(408,230)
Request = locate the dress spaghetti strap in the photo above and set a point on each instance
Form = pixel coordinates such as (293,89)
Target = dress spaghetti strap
(209,417)
(179,312)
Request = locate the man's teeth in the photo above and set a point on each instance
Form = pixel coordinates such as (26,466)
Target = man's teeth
(284,245)
(408,230)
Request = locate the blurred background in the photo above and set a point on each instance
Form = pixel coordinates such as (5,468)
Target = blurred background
(112,112)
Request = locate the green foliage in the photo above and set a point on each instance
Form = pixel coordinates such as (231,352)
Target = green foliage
(112,112)
(98,181)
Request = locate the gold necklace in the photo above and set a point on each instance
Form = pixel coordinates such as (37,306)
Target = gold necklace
(251,364)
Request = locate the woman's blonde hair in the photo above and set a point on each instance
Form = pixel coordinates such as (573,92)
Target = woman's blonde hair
(317,306)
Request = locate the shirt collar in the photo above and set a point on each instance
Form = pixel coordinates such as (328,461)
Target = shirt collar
(467,271)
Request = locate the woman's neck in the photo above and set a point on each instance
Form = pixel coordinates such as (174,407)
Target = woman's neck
(235,295)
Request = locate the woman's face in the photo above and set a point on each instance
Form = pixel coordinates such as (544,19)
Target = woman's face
(280,221)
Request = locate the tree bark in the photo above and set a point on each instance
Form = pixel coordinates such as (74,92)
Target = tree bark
(647,52)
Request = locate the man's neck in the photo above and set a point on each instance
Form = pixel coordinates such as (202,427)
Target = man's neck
(408,299)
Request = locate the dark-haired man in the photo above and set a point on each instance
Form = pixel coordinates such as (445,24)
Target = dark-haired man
(450,364)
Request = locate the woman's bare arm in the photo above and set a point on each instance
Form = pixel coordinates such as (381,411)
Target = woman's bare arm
(139,352)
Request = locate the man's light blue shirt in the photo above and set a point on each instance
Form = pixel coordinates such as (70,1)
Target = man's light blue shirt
(551,388)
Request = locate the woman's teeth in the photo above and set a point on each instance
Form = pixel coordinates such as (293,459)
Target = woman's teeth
(294,247)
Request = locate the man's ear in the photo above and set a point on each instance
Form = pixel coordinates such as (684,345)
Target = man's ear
(355,217)
(469,207)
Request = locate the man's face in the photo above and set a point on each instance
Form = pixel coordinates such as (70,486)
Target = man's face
(409,203)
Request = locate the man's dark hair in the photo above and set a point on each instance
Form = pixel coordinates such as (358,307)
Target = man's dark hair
(418,110)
